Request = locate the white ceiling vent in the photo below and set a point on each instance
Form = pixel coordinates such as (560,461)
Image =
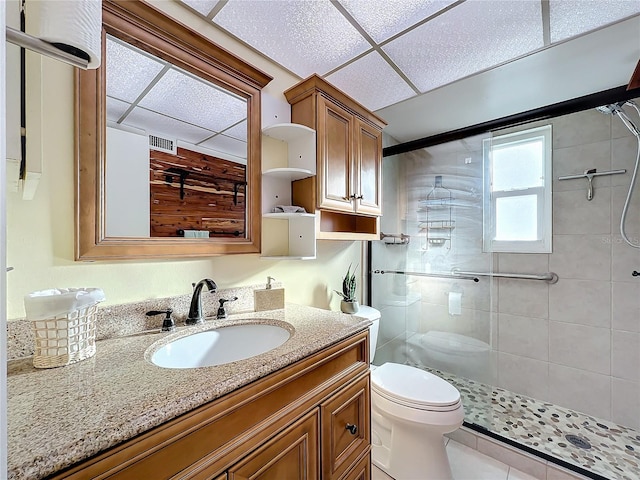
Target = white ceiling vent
(163,144)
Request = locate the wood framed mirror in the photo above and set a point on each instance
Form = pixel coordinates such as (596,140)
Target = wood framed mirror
(164,89)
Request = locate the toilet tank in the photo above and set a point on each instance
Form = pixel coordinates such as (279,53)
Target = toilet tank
(372,314)
(451,352)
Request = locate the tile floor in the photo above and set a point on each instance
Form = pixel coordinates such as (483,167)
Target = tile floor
(469,464)
(612,451)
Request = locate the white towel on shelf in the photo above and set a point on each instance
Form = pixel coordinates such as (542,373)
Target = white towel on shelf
(60,301)
(288,209)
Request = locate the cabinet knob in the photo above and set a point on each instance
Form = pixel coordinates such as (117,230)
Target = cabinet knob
(359,197)
(353,196)
(353,429)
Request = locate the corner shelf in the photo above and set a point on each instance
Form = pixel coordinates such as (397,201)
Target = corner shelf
(289,153)
(290,174)
(282,215)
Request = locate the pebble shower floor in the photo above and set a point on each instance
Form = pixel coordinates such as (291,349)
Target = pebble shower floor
(613,450)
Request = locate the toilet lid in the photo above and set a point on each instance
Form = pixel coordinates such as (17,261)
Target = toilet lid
(414,387)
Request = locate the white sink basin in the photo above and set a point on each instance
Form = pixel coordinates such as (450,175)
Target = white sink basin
(220,346)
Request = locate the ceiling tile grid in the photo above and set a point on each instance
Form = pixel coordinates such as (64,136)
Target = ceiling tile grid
(382,19)
(146,93)
(467,39)
(432,42)
(186,98)
(306,36)
(371,81)
(128,71)
(155,123)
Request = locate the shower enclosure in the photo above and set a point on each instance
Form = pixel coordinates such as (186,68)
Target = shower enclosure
(543,345)
(433,316)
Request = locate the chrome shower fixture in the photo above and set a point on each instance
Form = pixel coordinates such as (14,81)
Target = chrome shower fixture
(616,110)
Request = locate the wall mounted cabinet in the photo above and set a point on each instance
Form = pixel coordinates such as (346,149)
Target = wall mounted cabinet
(289,155)
(348,186)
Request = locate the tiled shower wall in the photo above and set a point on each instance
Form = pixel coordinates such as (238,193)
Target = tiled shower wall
(575,343)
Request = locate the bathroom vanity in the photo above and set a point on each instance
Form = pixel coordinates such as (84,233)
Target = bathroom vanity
(301,410)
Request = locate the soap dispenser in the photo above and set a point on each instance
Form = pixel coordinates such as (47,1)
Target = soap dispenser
(268,298)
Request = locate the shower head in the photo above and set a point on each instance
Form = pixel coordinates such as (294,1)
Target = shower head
(616,109)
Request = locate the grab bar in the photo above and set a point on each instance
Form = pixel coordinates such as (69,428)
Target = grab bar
(549,277)
(462,276)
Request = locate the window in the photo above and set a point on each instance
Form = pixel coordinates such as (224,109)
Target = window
(517,192)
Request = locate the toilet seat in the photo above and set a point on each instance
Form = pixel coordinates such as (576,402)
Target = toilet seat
(414,388)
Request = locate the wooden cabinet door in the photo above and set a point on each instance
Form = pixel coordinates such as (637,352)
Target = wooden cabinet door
(291,455)
(335,150)
(362,470)
(345,428)
(368,169)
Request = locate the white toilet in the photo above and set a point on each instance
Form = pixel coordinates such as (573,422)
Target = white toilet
(411,410)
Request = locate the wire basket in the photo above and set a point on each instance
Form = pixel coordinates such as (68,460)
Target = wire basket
(65,339)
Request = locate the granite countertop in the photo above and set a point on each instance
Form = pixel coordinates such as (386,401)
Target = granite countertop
(60,416)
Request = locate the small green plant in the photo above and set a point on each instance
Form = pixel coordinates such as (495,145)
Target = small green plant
(348,286)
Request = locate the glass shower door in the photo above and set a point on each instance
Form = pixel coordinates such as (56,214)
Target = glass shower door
(433,316)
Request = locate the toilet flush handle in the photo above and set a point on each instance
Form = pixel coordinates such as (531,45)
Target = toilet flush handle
(353,429)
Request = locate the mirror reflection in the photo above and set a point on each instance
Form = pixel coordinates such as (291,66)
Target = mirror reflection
(176,152)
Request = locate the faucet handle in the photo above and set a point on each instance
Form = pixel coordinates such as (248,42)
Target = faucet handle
(168,324)
(222,312)
(269,280)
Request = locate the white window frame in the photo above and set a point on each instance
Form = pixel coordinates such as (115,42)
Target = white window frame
(543,193)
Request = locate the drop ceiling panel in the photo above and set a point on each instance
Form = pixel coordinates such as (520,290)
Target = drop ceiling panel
(192,100)
(239,131)
(382,19)
(201,6)
(467,39)
(162,125)
(371,81)
(228,145)
(115,109)
(569,18)
(129,71)
(304,36)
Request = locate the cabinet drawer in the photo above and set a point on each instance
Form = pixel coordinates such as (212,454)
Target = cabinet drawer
(345,429)
(361,471)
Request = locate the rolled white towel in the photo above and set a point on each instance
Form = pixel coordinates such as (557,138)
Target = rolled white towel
(288,209)
(60,301)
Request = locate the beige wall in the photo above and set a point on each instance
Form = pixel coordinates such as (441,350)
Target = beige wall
(40,232)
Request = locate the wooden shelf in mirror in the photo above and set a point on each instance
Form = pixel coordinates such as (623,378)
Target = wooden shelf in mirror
(143,27)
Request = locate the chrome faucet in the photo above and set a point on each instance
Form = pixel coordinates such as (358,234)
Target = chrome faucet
(195,311)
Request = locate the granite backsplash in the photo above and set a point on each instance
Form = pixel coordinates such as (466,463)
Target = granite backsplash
(129,319)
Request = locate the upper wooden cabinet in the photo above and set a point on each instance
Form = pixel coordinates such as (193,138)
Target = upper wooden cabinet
(349,147)
(368,172)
